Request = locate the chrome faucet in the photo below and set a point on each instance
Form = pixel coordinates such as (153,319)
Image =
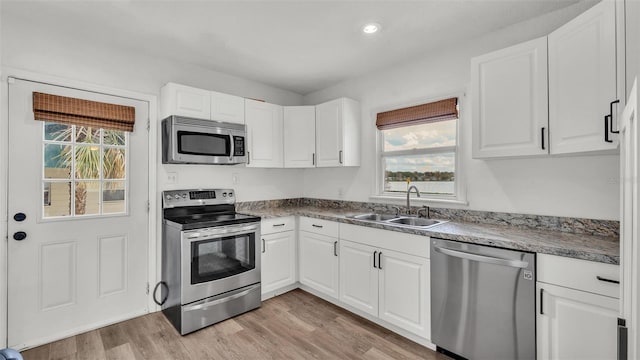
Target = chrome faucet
(424,208)
(409,199)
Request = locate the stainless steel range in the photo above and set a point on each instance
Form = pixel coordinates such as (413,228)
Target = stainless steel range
(210,266)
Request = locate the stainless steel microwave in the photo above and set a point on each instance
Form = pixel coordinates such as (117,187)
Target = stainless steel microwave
(196,141)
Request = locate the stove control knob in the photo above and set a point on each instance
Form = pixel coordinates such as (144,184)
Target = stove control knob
(168,197)
(184,196)
(177,197)
(224,194)
(230,194)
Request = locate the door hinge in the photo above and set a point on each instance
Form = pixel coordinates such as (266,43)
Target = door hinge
(148,124)
(148,205)
(147,288)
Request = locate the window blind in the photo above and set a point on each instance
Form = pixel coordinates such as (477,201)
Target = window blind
(72,111)
(420,114)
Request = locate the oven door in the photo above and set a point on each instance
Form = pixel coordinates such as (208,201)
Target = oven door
(218,260)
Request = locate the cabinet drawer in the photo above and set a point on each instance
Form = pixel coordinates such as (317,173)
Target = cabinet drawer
(275,225)
(417,245)
(579,274)
(319,226)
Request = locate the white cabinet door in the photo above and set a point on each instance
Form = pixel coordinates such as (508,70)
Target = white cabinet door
(278,260)
(264,132)
(404,292)
(582,80)
(338,133)
(509,101)
(575,324)
(227,108)
(358,276)
(176,99)
(299,136)
(319,263)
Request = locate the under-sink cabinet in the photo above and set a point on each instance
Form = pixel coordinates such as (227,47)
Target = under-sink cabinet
(318,256)
(386,274)
(278,248)
(578,307)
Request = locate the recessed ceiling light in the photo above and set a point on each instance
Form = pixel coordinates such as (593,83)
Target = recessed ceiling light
(371,28)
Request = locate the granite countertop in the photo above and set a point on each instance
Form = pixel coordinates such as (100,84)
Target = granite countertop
(588,247)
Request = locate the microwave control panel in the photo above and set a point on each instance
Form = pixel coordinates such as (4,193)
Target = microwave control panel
(238,146)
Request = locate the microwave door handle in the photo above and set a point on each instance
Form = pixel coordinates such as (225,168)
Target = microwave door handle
(232,150)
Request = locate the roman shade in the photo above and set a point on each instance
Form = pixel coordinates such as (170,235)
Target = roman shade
(420,114)
(72,111)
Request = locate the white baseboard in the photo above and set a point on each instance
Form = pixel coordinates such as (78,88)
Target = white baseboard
(269,294)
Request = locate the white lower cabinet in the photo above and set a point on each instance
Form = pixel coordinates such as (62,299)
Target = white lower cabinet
(319,262)
(388,284)
(575,324)
(278,247)
(577,309)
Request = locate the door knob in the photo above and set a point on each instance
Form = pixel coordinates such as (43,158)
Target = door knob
(20,235)
(19,217)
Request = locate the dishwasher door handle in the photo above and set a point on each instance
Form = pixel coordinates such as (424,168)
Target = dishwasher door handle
(482,258)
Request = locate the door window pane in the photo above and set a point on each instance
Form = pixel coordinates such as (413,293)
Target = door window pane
(87,135)
(56,165)
(113,201)
(113,165)
(87,198)
(114,137)
(57,132)
(87,162)
(57,199)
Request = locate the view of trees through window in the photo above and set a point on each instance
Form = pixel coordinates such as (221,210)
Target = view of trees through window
(84,171)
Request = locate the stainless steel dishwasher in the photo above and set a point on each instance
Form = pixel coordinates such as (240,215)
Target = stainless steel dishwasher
(482,301)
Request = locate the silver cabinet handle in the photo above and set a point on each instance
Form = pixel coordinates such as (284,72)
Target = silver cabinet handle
(277,225)
(380,260)
(316,226)
(482,258)
(264,246)
(607,280)
(335,248)
(313,159)
(340,156)
(248,157)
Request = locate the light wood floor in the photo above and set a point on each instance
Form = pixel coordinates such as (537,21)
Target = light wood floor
(296,325)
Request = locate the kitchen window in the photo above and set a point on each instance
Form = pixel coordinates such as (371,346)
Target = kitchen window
(419,146)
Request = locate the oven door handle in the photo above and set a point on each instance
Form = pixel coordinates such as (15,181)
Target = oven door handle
(222,233)
(229,297)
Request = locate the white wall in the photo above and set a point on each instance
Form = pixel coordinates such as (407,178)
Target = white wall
(579,186)
(26,46)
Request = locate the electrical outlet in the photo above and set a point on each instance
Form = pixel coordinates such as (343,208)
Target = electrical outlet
(172,178)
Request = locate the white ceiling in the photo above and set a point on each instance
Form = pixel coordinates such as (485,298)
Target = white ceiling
(301,46)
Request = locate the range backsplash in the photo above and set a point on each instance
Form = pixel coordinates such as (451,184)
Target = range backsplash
(609,228)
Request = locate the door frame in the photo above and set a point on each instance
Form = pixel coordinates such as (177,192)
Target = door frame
(6,76)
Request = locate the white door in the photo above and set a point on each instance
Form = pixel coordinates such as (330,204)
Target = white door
(329,133)
(509,101)
(575,324)
(630,218)
(404,296)
(264,130)
(72,273)
(582,81)
(358,276)
(299,136)
(278,260)
(319,263)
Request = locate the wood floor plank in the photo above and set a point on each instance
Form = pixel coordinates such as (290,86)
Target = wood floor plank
(295,325)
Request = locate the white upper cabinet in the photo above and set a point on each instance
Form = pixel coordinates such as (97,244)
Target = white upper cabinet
(181,100)
(227,108)
(338,133)
(582,81)
(264,132)
(509,102)
(299,136)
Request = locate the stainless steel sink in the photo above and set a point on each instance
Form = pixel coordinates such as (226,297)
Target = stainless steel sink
(415,221)
(400,221)
(375,217)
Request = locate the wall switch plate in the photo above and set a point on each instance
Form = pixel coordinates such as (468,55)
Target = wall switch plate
(172,178)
